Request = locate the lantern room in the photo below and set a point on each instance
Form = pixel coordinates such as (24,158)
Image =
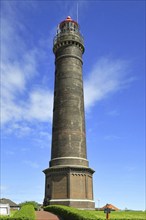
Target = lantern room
(68,25)
(68,33)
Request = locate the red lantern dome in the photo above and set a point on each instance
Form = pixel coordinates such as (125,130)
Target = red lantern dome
(68,25)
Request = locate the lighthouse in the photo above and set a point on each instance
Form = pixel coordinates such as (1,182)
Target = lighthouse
(68,180)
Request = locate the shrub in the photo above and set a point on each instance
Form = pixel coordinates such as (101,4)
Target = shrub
(70,213)
(12,218)
(26,212)
(4,218)
(35,204)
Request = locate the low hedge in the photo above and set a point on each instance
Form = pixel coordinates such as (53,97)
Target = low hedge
(70,213)
(27,212)
(12,218)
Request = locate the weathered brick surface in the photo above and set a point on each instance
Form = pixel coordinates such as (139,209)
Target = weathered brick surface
(59,186)
(78,186)
(68,138)
(90,188)
(69,179)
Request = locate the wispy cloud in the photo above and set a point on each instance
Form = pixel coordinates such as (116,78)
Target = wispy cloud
(24,102)
(31,164)
(113,113)
(112,137)
(20,99)
(10,152)
(106,77)
(43,139)
(40,105)
(19,130)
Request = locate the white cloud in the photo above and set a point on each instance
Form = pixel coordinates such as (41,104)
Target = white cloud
(12,77)
(19,66)
(40,105)
(20,129)
(106,77)
(9,110)
(24,102)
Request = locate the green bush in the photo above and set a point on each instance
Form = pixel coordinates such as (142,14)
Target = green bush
(12,218)
(69,213)
(35,204)
(4,218)
(27,212)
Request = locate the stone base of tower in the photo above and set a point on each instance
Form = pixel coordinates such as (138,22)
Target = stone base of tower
(70,186)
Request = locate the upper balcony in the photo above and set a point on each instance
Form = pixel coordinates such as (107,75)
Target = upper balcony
(68,30)
(68,35)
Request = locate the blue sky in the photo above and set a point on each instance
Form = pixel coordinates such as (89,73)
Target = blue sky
(114,87)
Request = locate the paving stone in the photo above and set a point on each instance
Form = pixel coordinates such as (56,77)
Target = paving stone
(42,215)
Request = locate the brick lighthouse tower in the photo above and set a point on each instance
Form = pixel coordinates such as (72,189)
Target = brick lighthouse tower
(68,178)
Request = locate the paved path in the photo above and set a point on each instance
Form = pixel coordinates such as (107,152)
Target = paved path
(42,215)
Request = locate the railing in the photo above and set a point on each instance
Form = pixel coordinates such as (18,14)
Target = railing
(73,33)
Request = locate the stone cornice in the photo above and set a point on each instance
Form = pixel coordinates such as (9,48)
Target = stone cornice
(68,169)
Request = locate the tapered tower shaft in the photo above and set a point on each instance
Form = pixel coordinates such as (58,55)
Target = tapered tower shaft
(68,140)
(68,179)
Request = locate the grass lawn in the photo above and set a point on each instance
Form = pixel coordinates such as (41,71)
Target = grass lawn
(121,214)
